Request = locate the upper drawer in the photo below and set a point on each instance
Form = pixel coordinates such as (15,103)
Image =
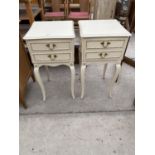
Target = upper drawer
(106,43)
(49,46)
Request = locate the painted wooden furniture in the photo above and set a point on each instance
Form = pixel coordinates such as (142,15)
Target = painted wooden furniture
(30,11)
(25,72)
(51,43)
(102,41)
(56,13)
(84,12)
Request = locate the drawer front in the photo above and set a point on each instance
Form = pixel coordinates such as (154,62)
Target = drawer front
(105,43)
(44,58)
(104,56)
(49,46)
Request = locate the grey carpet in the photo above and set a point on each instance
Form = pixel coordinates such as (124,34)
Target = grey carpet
(77,134)
(96,98)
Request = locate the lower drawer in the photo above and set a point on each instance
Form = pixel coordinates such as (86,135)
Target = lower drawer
(43,58)
(103,55)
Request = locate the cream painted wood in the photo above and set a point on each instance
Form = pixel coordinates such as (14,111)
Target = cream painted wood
(118,69)
(106,43)
(102,28)
(38,79)
(50,29)
(51,57)
(83,68)
(51,44)
(103,55)
(104,70)
(72,68)
(102,42)
(47,71)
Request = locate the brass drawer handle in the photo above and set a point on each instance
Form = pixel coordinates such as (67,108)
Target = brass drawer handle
(103,55)
(108,43)
(105,44)
(52,57)
(53,46)
(48,45)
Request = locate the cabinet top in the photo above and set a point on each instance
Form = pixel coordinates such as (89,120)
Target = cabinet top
(102,28)
(50,30)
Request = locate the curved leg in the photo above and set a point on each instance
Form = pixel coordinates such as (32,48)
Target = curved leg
(38,79)
(83,67)
(47,71)
(104,70)
(118,69)
(72,68)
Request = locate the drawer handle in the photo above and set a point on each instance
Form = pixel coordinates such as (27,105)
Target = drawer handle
(105,44)
(48,45)
(52,57)
(103,55)
(53,46)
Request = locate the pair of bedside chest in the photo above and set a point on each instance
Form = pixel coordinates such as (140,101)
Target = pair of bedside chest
(51,43)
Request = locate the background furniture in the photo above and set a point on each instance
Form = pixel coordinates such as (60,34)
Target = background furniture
(25,72)
(125,13)
(104,9)
(56,12)
(51,44)
(83,13)
(29,11)
(103,42)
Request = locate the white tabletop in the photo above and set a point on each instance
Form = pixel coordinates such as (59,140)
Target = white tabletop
(50,29)
(102,28)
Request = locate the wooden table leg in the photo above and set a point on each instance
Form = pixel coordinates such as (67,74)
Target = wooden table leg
(104,70)
(83,67)
(72,68)
(39,80)
(118,69)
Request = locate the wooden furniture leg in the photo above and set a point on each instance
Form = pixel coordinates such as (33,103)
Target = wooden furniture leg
(39,80)
(104,70)
(72,68)
(22,100)
(47,71)
(118,69)
(83,68)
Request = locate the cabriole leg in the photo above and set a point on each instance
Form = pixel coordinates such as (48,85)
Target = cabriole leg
(72,68)
(104,70)
(38,79)
(47,71)
(83,67)
(118,69)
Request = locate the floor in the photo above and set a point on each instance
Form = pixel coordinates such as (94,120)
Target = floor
(95,125)
(77,134)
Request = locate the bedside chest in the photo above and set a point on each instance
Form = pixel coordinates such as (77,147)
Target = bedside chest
(51,43)
(102,41)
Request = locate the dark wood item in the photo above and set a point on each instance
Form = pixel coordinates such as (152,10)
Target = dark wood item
(129,61)
(30,12)
(25,72)
(125,13)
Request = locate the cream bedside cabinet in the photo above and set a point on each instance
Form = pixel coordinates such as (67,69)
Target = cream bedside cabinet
(102,41)
(51,43)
